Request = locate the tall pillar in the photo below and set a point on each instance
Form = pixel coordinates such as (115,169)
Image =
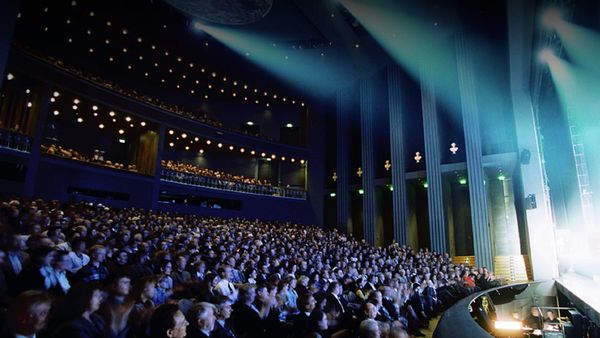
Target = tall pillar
(435,191)
(343,106)
(394,78)
(8,17)
(367,110)
(476,175)
(162,132)
(43,106)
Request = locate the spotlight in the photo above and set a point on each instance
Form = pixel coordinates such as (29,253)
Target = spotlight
(551,18)
(250,123)
(546,55)
(289,125)
(332,194)
(10,76)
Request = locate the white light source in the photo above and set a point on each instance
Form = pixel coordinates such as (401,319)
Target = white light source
(171,132)
(10,76)
(289,125)
(184,135)
(220,145)
(56,113)
(56,94)
(143,124)
(509,325)
(128,119)
(94,108)
(29,104)
(101,126)
(79,119)
(111,113)
(76,101)
(121,131)
(250,123)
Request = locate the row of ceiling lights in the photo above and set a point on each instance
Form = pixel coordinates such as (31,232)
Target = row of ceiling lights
(140,40)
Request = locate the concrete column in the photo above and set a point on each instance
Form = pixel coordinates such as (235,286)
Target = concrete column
(43,106)
(399,196)
(343,105)
(435,191)
(162,132)
(476,176)
(505,228)
(367,95)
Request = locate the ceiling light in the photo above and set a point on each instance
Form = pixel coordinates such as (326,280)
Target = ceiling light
(263,154)
(171,132)
(196,139)
(121,131)
(94,107)
(302,161)
(56,94)
(56,113)
(143,124)
(111,113)
(292,160)
(201,151)
(76,101)
(273,156)
(74,107)
(242,150)
(208,142)
(250,123)
(184,135)
(79,119)
(187,148)
(29,104)
(230,147)
(52,99)
(289,125)
(220,145)
(171,144)
(101,126)
(252,152)
(128,119)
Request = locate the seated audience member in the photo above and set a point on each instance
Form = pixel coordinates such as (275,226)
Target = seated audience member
(60,264)
(369,328)
(95,270)
(533,321)
(317,325)
(84,301)
(28,314)
(39,274)
(225,287)
(78,257)
(181,277)
(223,326)
(168,322)
(117,307)
(202,320)
(142,294)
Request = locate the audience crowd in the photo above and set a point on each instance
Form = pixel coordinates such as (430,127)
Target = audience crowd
(196,175)
(97,158)
(174,109)
(14,139)
(85,270)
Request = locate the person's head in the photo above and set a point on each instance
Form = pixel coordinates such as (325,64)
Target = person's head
(122,258)
(145,288)
(370,310)
(28,312)
(62,261)
(535,311)
(369,328)
(223,307)
(550,314)
(181,262)
(98,253)
(225,271)
(85,297)
(247,293)
(43,255)
(317,321)
(306,302)
(202,316)
(168,322)
(120,285)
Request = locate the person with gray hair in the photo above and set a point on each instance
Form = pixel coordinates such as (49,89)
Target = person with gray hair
(202,320)
(369,328)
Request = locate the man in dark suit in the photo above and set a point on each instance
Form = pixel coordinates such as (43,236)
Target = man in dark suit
(202,320)
(223,328)
(306,304)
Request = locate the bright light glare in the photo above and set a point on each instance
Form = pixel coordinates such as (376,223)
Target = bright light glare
(507,325)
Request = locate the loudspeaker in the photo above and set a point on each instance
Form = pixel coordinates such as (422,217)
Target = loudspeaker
(525,156)
(530,202)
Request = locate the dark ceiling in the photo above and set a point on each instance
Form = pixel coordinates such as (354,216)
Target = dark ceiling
(150,45)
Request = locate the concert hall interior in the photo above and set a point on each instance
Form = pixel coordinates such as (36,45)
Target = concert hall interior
(299,168)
